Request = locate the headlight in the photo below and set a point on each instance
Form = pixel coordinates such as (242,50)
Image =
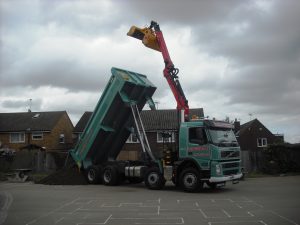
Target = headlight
(218,170)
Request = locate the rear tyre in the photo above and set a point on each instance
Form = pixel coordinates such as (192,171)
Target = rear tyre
(190,180)
(21,174)
(92,175)
(110,176)
(154,180)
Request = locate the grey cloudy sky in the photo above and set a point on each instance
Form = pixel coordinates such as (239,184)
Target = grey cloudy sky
(235,57)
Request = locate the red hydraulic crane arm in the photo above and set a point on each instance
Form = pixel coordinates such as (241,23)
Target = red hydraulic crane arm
(170,72)
(152,37)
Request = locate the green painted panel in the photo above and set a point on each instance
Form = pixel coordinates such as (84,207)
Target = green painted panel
(108,128)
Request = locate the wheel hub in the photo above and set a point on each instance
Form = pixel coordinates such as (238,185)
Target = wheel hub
(91,175)
(190,180)
(107,176)
(153,178)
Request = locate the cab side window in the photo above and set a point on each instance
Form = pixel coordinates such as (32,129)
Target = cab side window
(197,136)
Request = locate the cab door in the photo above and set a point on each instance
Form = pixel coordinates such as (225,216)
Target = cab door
(198,147)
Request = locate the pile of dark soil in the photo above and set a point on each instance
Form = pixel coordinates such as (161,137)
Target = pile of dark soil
(65,176)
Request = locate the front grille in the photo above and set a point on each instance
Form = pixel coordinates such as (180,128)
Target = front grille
(230,165)
(230,154)
(231,172)
(231,168)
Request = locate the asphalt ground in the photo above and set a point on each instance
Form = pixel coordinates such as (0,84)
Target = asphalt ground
(259,201)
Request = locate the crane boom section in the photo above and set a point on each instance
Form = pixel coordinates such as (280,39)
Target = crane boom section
(152,37)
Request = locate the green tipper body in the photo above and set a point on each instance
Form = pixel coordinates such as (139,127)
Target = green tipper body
(111,122)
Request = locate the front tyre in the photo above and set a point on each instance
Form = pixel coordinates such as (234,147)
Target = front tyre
(154,180)
(190,180)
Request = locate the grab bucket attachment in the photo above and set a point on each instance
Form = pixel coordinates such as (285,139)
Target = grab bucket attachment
(146,35)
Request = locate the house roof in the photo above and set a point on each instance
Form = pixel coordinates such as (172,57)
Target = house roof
(246,126)
(82,122)
(165,119)
(36,121)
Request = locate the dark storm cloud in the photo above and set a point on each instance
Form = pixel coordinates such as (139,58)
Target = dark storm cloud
(188,13)
(15,104)
(23,104)
(261,42)
(62,73)
(77,17)
(267,86)
(81,18)
(234,29)
(255,37)
(265,55)
(56,43)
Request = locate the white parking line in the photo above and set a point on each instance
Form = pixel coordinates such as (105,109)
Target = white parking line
(51,212)
(57,221)
(203,214)
(250,214)
(239,206)
(284,218)
(108,218)
(239,222)
(226,213)
(121,205)
(165,220)
(7,203)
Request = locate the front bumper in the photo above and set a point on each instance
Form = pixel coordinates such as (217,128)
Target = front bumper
(225,178)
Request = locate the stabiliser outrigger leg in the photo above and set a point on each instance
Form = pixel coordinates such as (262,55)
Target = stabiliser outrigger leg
(141,134)
(153,178)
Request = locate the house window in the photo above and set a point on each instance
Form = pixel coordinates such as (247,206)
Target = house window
(17,137)
(62,138)
(262,142)
(132,139)
(36,136)
(165,137)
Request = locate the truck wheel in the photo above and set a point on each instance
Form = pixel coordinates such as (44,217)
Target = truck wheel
(190,180)
(92,174)
(110,176)
(154,179)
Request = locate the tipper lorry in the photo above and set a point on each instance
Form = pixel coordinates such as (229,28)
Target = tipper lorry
(207,150)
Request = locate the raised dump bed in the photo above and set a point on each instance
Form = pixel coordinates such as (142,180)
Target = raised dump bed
(111,122)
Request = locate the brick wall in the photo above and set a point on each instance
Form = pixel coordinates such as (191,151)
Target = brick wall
(50,139)
(248,140)
(63,126)
(132,151)
(5,140)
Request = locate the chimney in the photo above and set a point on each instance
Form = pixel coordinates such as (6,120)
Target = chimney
(237,125)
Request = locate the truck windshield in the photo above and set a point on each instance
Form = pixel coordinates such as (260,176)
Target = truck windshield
(223,137)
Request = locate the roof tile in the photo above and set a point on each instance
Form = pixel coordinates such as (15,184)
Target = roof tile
(35,121)
(165,119)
